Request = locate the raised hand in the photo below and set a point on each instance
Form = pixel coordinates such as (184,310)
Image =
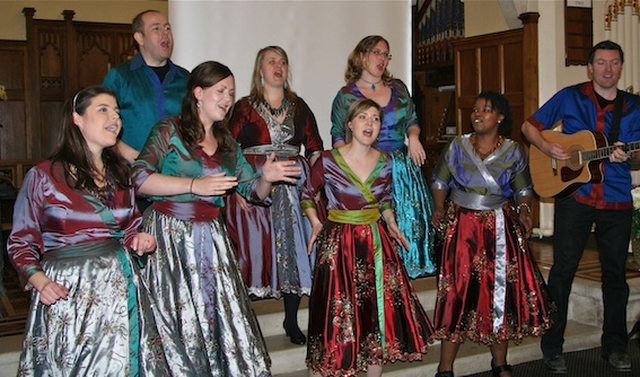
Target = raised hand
(214,184)
(276,171)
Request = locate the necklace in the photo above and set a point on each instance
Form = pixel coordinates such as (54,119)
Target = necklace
(474,143)
(277,111)
(373,84)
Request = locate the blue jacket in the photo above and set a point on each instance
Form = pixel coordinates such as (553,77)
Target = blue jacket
(143,99)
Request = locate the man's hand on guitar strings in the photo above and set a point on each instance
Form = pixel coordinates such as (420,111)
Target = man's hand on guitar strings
(555,150)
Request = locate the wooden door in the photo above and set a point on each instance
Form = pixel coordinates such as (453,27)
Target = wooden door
(490,62)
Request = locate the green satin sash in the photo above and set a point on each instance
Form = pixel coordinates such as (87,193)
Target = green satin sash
(368,216)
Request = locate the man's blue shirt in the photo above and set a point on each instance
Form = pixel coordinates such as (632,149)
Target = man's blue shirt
(143,99)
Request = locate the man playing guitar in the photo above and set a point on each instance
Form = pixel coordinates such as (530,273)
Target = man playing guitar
(596,106)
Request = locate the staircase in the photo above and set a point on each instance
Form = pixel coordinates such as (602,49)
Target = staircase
(288,360)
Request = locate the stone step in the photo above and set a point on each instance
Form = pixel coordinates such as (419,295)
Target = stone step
(10,347)
(288,360)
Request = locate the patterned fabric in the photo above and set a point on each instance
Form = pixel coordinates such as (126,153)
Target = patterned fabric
(271,242)
(489,287)
(143,99)
(103,328)
(204,313)
(363,310)
(578,108)
(412,201)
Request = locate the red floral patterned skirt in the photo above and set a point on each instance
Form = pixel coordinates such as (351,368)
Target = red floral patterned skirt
(344,326)
(489,287)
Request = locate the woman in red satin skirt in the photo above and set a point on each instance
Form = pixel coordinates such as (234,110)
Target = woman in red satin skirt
(490,289)
(363,311)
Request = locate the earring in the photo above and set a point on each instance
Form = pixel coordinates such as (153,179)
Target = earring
(261,81)
(285,85)
(199,104)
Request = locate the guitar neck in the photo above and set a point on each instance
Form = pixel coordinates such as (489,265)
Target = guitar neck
(604,152)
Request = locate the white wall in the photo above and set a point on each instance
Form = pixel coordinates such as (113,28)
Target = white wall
(317,35)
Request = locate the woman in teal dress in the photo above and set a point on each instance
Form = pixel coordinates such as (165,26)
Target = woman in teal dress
(367,77)
(187,165)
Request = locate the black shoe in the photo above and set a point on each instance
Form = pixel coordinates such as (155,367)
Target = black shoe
(556,364)
(293,332)
(619,361)
(497,370)
(448,373)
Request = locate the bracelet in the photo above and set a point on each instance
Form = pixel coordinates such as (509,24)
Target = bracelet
(523,204)
(191,186)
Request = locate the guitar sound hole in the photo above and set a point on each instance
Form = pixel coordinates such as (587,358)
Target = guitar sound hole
(574,161)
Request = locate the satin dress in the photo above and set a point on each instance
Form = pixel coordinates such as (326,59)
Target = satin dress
(362,310)
(105,326)
(203,309)
(412,201)
(271,241)
(490,289)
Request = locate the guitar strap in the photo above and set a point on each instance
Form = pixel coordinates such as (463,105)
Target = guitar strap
(614,131)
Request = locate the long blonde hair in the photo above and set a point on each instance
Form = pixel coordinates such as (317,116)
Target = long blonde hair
(256,94)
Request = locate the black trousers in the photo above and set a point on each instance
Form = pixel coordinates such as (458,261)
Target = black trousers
(572,226)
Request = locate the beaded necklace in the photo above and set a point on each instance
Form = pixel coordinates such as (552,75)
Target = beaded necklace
(277,111)
(474,143)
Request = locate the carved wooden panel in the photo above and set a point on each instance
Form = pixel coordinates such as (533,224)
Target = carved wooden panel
(51,48)
(15,170)
(101,47)
(13,76)
(64,56)
(93,58)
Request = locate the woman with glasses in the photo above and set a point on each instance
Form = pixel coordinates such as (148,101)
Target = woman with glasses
(271,241)
(367,76)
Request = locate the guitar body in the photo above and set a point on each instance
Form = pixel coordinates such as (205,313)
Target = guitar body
(552,177)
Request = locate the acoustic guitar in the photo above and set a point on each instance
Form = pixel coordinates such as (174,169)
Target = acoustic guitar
(552,177)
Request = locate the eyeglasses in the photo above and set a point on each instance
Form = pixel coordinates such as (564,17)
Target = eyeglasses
(383,53)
